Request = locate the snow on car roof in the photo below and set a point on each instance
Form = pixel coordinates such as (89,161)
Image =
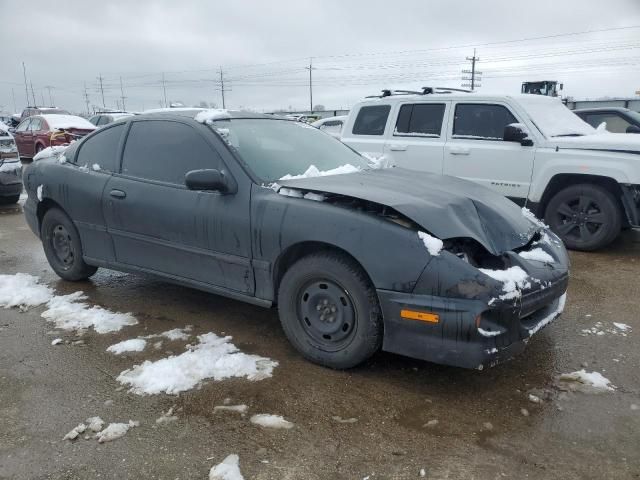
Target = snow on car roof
(68,121)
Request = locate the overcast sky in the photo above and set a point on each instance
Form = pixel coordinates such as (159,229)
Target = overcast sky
(358,47)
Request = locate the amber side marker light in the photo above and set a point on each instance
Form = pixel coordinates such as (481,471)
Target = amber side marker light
(421,316)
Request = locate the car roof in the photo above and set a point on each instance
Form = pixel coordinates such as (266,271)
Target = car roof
(601,109)
(181,113)
(460,96)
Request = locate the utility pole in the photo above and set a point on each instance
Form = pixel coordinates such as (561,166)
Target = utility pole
(310,68)
(222,87)
(33,95)
(13,95)
(26,89)
(42,97)
(86,97)
(122,94)
(49,87)
(100,78)
(474,77)
(164,90)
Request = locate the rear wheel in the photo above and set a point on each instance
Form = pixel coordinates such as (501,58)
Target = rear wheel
(329,310)
(585,216)
(63,248)
(39,148)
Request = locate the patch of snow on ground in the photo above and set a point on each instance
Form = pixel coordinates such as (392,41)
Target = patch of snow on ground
(212,358)
(133,345)
(231,408)
(54,151)
(95,424)
(270,421)
(622,326)
(22,290)
(313,171)
(68,313)
(167,417)
(537,254)
(600,330)
(434,245)
(115,431)
(513,279)
(75,432)
(228,469)
(593,380)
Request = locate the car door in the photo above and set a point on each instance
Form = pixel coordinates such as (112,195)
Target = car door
(417,140)
(160,226)
(22,136)
(475,149)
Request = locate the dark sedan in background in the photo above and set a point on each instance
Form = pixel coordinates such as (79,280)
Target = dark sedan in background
(272,211)
(617,119)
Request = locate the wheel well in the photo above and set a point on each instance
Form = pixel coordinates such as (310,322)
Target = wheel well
(43,207)
(558,182)
(295,252)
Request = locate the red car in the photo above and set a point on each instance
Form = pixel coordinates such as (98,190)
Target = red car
(38,132)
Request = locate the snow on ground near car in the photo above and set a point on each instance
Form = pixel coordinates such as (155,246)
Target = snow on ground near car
(537,254)
(593,381)
(54,151)
(433,244)
(174,334)
(270,421)
(212,358)
(95,424)
(513,279)
(66,312)
(115,431)
(599,329)
(75,432)
(313,171)
(208,116)
(133,345)
(228,469)
(231,408)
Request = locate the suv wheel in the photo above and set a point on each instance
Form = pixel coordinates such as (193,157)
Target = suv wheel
(62,247)
(586,216)
(329,310)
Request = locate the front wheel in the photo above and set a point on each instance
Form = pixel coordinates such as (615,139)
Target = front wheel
(63,248)
(586,217)
(329,310)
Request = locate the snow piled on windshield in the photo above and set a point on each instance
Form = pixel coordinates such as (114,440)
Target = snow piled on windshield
(313,171)
(553,118)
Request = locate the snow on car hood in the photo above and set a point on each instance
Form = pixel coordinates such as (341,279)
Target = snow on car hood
(445,206)
(620,142)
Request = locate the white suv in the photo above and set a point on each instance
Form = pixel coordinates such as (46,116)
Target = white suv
(584,182)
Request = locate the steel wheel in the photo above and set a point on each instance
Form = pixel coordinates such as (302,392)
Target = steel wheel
(63,246)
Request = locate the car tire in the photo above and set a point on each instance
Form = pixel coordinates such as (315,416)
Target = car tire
(585,216)
(329,310)
(39,148)
(63,248)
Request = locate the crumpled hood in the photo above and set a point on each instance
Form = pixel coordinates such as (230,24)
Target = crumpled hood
(444,206)
(620,142)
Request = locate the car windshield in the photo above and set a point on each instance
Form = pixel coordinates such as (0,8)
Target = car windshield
(275,148)
(554,119)
(52,111)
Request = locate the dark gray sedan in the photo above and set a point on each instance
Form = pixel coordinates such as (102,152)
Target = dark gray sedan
(271,211)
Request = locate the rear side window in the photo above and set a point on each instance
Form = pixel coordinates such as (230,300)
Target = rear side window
(165,151)
(100,152)
(615,123)
(481,121)
(421,119)
(104,119)
(371,120)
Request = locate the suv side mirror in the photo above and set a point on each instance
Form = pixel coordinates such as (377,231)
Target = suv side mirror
(633,129)
(514,133)
(208,179)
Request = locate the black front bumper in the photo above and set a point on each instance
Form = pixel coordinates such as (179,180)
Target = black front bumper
(469,333)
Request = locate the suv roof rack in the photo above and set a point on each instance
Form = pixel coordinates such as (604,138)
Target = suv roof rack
(424,91)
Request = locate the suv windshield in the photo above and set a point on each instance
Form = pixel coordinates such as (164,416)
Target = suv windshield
(554,119)
(274,148)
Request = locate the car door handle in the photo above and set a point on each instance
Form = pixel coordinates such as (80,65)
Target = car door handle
(398,148)
(117,194)
(459,151)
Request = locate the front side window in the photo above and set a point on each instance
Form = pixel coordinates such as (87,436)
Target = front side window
(100,151)
(104,120)
(95,119)
(36,125)
(272,149)
(615,123)
(165,151)
(371,120)
(24,126)
(420,119)
(481,121)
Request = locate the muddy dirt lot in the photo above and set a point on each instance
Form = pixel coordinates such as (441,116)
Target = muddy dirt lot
(392,418)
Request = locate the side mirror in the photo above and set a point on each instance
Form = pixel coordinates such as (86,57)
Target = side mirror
(208,179)
(633,129)
(514,133)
